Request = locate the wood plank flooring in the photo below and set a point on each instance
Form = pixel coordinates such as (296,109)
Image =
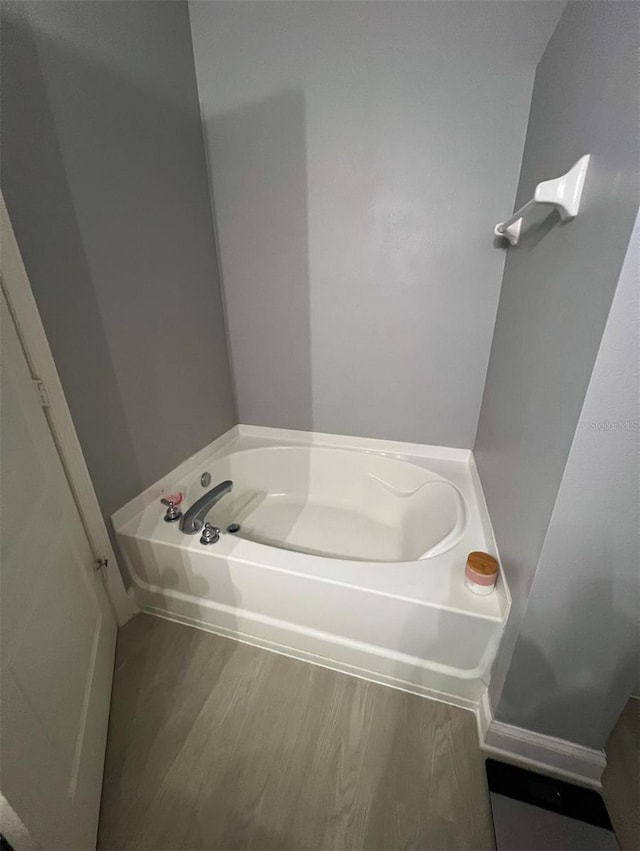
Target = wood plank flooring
(621,779)
(215,744)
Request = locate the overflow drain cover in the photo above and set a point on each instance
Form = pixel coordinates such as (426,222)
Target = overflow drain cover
(233,528)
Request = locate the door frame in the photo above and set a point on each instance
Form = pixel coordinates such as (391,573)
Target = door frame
(23,307)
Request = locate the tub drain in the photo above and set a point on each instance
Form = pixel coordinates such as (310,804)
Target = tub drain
(233,528)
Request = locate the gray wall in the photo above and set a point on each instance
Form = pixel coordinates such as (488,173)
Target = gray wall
(104,176)
(578,653)
(361,154)
(558,283)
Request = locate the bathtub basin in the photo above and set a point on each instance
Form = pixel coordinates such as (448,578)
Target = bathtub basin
(350,554)
(338,503)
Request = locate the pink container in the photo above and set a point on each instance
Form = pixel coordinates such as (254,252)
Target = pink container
(480,573)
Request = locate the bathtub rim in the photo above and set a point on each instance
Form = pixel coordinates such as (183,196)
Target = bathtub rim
(266,436)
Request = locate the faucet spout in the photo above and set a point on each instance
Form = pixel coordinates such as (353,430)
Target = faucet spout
(192,520)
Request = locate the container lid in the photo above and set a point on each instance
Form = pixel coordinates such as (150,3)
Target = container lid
(482,563)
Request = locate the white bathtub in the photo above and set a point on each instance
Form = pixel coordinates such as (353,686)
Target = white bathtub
(350,554)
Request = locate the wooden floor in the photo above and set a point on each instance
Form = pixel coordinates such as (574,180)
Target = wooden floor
(621,779)
(218,745)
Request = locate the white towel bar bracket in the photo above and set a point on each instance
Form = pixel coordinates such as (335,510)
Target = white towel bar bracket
(563,193)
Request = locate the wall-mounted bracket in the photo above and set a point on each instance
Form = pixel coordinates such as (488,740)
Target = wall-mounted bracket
(564,193)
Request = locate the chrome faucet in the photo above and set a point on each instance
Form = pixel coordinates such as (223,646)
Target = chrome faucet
(192,520)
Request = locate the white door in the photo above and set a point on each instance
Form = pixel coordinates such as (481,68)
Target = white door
(57,631)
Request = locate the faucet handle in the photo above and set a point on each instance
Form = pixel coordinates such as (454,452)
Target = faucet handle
(172,513)
(210,534)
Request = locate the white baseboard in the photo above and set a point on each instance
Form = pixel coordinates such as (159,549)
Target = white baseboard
(132,605)
(537,751)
